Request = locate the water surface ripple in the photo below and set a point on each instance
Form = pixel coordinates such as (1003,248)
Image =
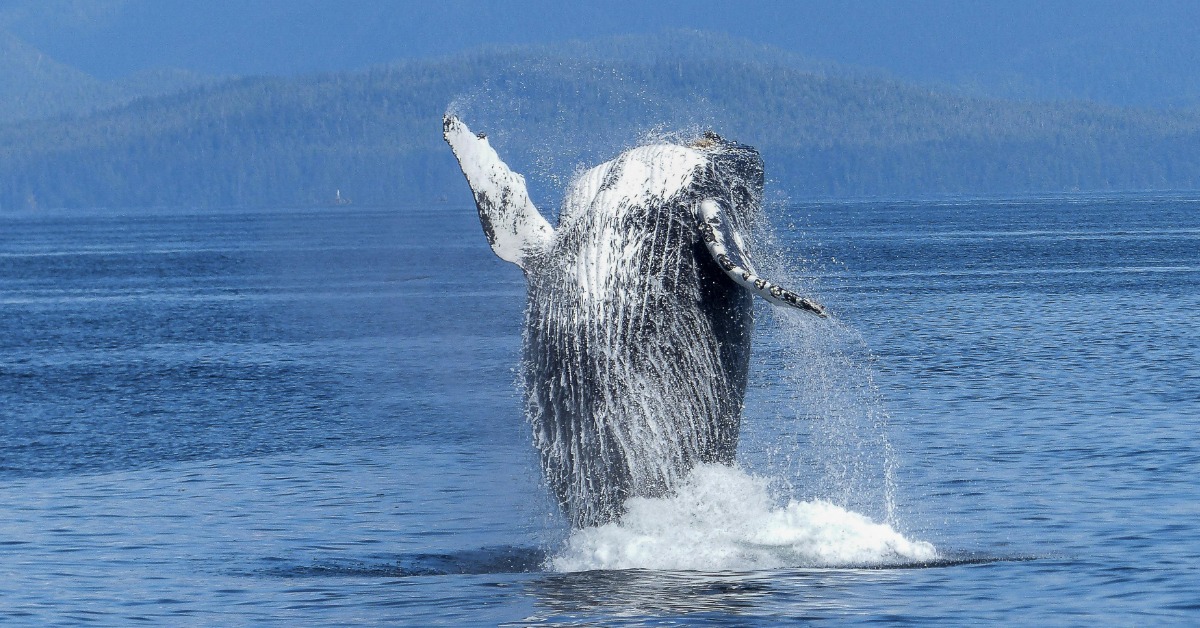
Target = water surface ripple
(309,417)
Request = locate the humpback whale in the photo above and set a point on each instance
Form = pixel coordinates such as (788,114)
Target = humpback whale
(639,312)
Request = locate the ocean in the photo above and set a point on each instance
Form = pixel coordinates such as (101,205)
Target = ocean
(311,417)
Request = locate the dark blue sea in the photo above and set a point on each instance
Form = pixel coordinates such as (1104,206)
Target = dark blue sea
(310,417)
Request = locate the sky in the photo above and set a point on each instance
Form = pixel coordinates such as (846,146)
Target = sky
(1119,51)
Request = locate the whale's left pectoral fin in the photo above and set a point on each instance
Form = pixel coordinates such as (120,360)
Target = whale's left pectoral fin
(727,247)
(513,226)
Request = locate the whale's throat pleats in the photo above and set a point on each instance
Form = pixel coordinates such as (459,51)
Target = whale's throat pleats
(631,343)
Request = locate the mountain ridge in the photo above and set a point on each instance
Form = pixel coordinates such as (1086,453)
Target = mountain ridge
(551,110)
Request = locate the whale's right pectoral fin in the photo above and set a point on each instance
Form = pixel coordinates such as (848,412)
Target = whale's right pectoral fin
(727,248)
(513,226)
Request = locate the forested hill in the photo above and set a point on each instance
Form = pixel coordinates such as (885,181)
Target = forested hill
(376,135)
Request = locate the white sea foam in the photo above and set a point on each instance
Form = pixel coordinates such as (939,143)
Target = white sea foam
(723,519)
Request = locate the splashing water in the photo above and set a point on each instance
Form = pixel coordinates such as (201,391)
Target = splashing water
(825,428)
(827,443)
(815,419)
(724,519)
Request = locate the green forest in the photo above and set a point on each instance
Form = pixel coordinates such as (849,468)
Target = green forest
(375,135)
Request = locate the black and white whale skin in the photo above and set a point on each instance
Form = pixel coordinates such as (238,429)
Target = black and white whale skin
(639,315)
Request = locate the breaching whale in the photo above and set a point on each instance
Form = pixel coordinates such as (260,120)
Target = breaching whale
(639,312)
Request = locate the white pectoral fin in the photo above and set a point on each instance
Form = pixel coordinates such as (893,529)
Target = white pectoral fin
(513,226)
(727,248)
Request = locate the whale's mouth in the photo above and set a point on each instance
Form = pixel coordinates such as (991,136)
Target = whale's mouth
(724,519)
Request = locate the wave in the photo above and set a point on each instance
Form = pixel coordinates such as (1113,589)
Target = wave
(724,519)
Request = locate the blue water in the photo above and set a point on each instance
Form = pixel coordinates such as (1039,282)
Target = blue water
(309,417)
